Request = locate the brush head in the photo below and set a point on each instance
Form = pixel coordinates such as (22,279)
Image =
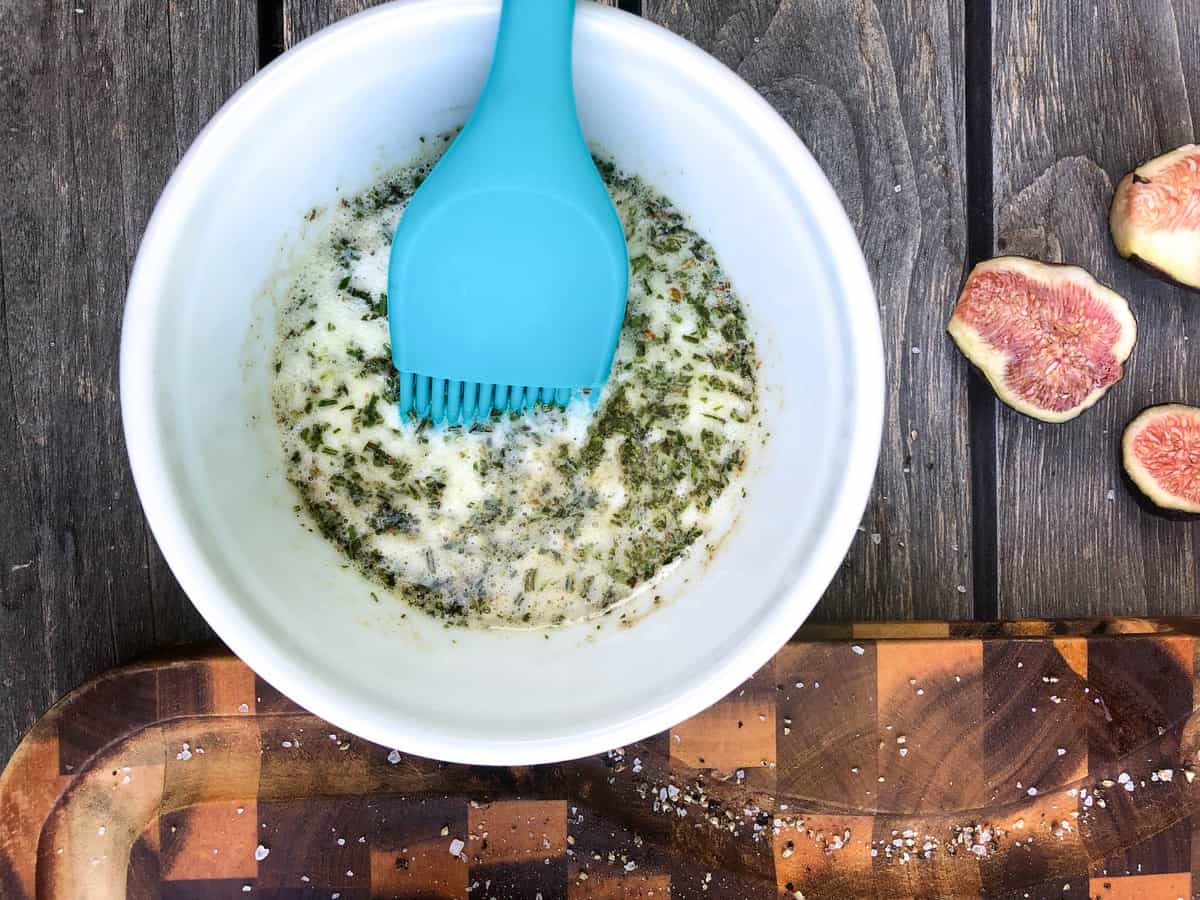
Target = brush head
(518,286)
(465,402)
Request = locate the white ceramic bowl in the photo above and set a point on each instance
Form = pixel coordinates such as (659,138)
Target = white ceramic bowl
(327,117)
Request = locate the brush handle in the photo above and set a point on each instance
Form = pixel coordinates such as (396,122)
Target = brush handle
(532,57)
(527,108)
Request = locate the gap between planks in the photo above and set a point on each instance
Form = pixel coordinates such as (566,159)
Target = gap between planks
(270,31)
(981,401)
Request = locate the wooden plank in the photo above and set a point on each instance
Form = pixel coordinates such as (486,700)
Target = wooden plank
(302,18)
(877,94)
(1084,90)
(98,101)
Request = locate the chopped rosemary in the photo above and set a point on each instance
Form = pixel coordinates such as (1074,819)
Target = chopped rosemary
(530,520)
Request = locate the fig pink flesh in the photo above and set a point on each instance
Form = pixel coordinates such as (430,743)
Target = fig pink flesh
(1169,449)
(1058,338)
(1170,200)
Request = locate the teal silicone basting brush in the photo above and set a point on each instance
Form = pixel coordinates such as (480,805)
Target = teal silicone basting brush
(509,270)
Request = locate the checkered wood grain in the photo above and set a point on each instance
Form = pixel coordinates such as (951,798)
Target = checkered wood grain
(1026,759)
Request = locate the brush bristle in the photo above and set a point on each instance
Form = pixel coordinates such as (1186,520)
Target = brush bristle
(463,402)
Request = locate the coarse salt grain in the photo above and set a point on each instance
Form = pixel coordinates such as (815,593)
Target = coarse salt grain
(456,847)
(261,853)
(859,650)
(394,757)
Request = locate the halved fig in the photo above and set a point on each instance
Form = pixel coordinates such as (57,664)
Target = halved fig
(1155,217)
(1050,339)
(1161,451)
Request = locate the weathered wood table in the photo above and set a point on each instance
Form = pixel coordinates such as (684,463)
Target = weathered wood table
(953,130)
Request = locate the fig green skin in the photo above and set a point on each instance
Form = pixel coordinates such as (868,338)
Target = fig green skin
(1143,500)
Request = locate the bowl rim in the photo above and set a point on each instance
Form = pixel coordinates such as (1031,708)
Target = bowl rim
(807,579)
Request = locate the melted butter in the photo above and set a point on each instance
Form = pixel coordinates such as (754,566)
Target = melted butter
(529,521)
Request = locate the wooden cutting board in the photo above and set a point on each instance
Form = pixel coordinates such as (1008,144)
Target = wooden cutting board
(1023,760)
